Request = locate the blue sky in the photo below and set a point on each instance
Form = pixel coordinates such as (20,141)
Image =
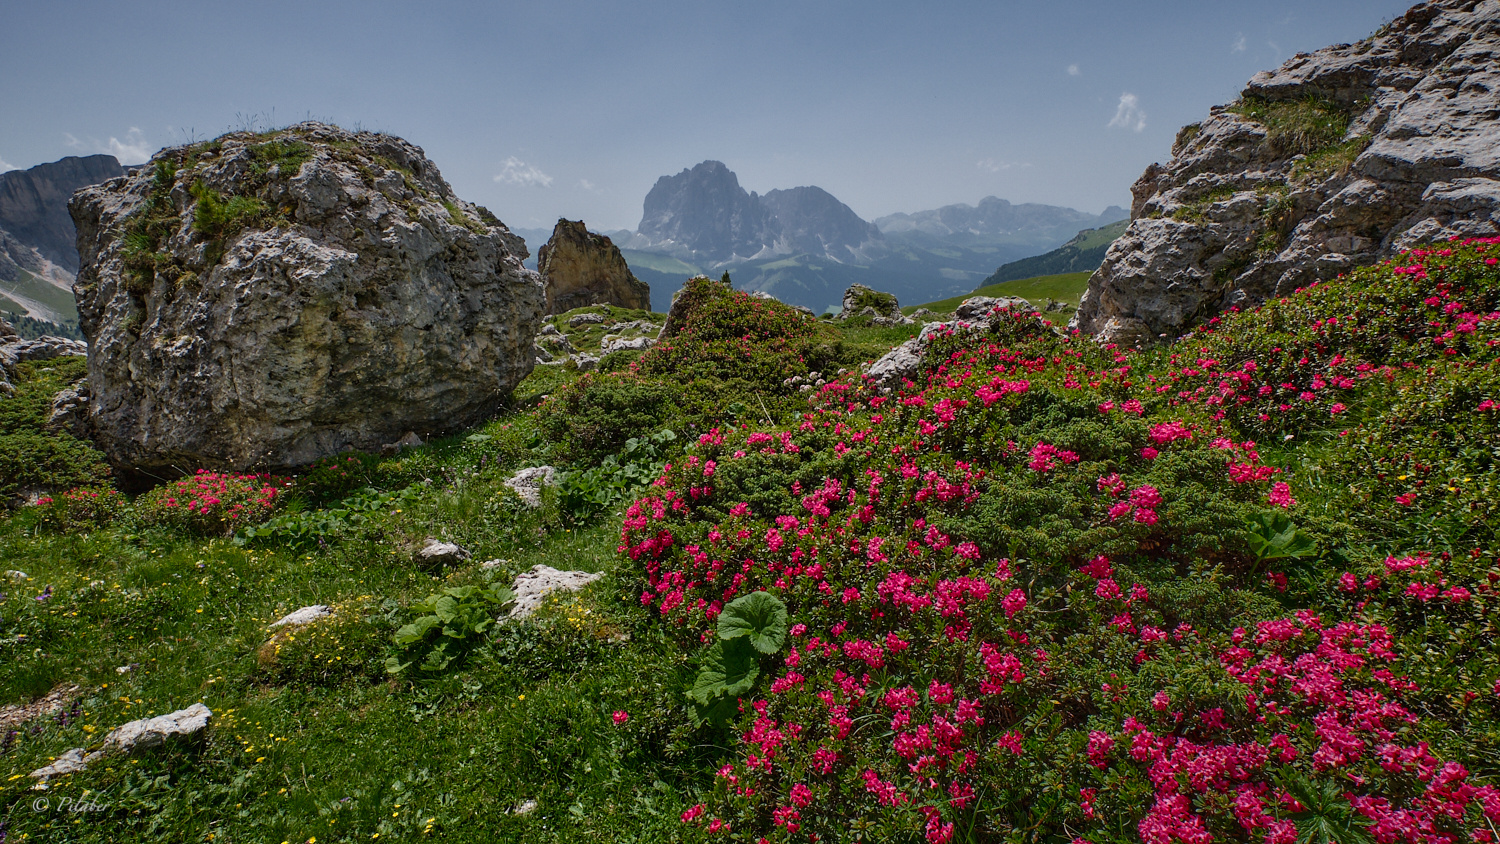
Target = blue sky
(541,110)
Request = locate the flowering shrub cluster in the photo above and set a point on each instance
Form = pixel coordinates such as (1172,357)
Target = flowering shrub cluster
(1029,598)
(80,509)
(211,503)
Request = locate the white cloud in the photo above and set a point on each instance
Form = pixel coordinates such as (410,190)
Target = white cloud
(1128,115)
(589,186)
(992,165)
(517,172)
(133,150)
(6,166)
(1074,71)
(1239,44)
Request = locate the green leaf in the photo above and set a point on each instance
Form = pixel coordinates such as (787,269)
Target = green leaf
(445,608)
(760,617)
(729,671)
(415,632)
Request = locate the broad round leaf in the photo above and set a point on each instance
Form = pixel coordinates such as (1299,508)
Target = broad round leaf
(760,617)
(730,671)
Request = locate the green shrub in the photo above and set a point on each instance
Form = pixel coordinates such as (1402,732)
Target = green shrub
(448,625)
(80,509)
(211,503)
(598,414)
(1301,126)
(338,475)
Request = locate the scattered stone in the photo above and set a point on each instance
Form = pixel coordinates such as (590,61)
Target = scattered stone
(1054,306)
(306,615)
(980,307)
(580,268)
(129,738)
(53,702)
(586,363)
(528,483)
(1243,213)
(534,585)
(70,762)
(14,350)
(585,319)
(17,575)
(904,362)
(384,304)
(150,732)
(436,553)
(493,564)
(860,300)
(410,440)
(126,669)
(70,411)
(616,344)
(525,807)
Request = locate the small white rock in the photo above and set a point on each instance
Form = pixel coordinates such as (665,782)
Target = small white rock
(534,585)
(441,553)
(525,807)
(14,574)
(306,615)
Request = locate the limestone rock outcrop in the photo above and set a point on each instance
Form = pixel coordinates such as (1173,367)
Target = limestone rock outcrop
(14,350)
(1337,159)
(267,300)
(581,268)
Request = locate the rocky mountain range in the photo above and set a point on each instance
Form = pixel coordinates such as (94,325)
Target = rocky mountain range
(1337,159)
(994,217)
(805,247)
(38,248)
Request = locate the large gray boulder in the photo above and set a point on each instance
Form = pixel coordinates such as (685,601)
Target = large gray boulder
(267,300)
(1339,158)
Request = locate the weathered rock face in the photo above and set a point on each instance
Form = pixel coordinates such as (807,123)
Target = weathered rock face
(580,269)
(1338,159)
(266,300)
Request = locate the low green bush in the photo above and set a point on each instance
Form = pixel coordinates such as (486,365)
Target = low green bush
(211,503)
(80,509)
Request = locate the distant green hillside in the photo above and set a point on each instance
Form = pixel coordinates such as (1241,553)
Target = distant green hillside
(1084,253)
(56,301)
(1066,287)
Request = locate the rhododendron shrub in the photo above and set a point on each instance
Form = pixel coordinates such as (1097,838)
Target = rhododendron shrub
(211,503)
(1023,605)
(80,508)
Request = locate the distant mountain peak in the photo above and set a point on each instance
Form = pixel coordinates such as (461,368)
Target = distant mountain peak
(34,203)
(703,213)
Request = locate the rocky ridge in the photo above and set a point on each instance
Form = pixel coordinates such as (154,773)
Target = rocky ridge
(1337,159)
(34,203)
(263,300)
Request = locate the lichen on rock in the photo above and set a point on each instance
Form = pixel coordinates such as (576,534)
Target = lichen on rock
(264,300)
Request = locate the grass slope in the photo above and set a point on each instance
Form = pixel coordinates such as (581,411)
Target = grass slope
(1066,287)
(1084,253)
(58,303)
